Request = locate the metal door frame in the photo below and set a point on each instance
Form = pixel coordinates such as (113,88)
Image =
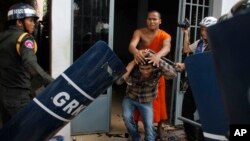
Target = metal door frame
(177,92)
(104,101)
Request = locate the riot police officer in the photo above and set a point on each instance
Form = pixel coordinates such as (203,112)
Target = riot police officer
(18,61)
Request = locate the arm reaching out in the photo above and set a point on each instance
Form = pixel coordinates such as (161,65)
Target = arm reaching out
(168,70)
(138,54)
(125,76)
(180,67)
(155,58)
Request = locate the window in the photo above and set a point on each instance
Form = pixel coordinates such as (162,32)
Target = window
(195,11)
(91,19)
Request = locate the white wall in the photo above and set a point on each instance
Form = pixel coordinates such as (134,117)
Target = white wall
(61,43)
(61,36)
(221,7)
(227,5)
(39,9)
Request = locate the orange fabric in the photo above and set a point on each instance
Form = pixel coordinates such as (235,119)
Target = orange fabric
(157,42)
(159,103)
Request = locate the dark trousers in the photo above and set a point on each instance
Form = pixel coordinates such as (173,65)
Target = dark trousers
(193,133)
(12,100)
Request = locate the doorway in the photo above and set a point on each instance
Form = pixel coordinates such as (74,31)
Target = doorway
(130,15)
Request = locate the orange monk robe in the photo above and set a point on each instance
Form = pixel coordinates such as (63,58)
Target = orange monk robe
(159,103)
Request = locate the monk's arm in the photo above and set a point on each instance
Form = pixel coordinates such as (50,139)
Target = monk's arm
(134,42)
(138,56)
(165,49)
(155,59)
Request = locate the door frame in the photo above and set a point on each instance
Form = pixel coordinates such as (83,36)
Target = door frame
(177,92)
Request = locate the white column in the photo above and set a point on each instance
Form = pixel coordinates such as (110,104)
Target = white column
(61,43)
(221,7)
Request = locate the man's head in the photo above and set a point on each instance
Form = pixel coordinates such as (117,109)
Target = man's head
(23,16)
(204,24)
(146,70)
(153,20)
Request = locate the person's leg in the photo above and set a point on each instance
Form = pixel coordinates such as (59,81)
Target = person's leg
(199,134)
(160,129)
(137,118)
(188,109)
(146,111)
(128,107)
(5,115)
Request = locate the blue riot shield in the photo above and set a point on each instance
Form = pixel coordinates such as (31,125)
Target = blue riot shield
(201,74)
(230,46)
(66,96)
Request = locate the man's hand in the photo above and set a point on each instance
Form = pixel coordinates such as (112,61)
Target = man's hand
(179,67)
(185,30)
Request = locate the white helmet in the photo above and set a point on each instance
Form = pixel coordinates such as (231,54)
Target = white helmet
(208,21)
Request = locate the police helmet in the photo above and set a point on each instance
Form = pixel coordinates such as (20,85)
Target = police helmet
(208,21)
(20,11)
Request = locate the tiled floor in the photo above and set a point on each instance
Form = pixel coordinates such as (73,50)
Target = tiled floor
(118,129)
